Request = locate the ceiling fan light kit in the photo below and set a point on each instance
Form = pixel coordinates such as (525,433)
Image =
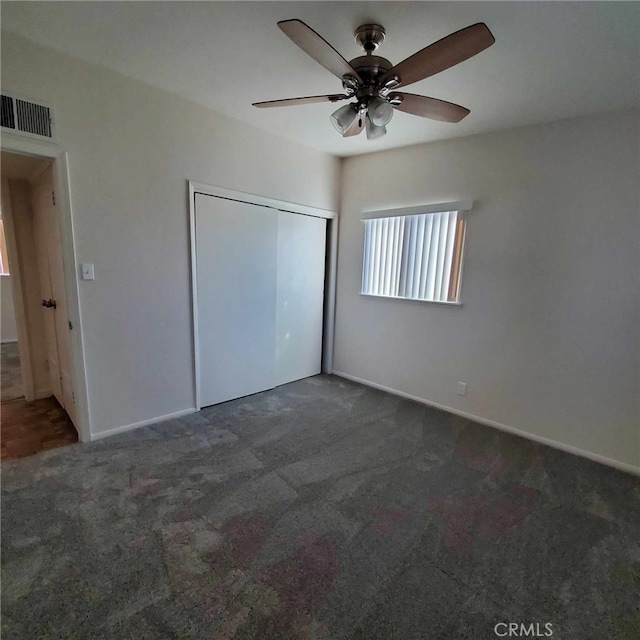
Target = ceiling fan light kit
(372,80)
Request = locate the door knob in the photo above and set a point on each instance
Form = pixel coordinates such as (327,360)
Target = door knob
(49,303)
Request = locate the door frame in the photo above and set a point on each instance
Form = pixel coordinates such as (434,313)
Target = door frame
(22,146)
(328,324)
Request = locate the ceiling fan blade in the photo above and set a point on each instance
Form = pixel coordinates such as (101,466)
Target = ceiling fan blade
(317,47)
(357,126)
(291,102)
(441,55)
(430,107)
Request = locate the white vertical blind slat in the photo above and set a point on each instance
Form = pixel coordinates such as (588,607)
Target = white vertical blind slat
(383,253)
(388,272)
(411,264)
(420,220)
(376,256)
(366,262)
(422,292)
(385,256)
(442,247)
(402,285)
(399,239)
(433,257)
(381,249)
(394,257)
(452,218)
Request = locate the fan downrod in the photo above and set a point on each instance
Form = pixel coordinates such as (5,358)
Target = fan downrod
(369,37)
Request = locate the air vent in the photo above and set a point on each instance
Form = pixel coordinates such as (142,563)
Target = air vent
(7,117)
(26,117)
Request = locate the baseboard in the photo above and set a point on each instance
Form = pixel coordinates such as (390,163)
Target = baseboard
(595,457)
(43,393)
(142,423)
(8,341)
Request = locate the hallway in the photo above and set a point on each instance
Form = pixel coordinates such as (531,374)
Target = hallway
(32,427)
(11,386)
(28,427)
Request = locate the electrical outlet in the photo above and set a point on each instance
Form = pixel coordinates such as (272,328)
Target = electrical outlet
(462,389)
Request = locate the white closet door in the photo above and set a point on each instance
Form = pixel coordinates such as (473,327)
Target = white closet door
(236,262)
(300,296)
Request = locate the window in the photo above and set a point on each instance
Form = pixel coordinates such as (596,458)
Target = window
(416,257)
(4,260)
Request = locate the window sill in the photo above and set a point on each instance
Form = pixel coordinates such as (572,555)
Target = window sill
(448,304)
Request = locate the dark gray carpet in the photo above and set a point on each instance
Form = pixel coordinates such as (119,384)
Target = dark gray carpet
(321,509)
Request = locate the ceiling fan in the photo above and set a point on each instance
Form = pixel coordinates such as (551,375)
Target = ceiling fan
(372,80)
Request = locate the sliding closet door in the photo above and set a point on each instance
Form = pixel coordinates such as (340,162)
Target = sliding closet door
(236,259)
(300,296)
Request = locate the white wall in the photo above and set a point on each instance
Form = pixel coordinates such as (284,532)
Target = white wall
(132,149)
(548,335)
(8,330)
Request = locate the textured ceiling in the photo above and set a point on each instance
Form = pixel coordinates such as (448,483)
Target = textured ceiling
(551,60)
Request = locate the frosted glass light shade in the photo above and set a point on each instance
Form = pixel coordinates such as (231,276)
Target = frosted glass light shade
(380,112)
(373,131)
(343,118)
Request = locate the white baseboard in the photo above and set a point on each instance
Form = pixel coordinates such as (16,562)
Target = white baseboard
(595,457)
(40,394)
(142,423)
(10,341)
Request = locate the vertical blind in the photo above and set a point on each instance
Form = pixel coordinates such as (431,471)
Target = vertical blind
(416,257)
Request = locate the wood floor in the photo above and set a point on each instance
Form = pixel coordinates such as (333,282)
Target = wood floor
(32,427)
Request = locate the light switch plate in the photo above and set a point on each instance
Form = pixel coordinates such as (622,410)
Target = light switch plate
(87,271)
(462,389)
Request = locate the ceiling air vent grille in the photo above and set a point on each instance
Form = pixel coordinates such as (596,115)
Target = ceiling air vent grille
(7,117)
(26,117)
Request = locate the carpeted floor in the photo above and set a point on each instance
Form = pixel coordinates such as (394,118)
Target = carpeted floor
(321,509)
(10,373)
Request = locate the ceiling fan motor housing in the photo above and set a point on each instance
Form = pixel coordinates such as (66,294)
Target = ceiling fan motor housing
(369,36)
(369,67)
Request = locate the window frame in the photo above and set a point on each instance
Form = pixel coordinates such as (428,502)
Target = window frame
(461,207)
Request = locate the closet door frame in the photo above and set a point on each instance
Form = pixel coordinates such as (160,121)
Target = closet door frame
(279,205)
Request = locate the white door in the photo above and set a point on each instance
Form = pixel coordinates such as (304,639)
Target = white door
(300,296)
(260,286)
(42,205)
(236,253)
(50,268)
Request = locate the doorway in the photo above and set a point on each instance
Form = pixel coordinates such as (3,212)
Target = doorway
(39,361)
(11,386)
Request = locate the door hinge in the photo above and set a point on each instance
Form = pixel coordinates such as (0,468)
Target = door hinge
(73,397)
(53,198)
(70,326)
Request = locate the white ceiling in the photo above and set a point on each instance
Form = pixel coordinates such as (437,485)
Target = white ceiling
(551,60)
